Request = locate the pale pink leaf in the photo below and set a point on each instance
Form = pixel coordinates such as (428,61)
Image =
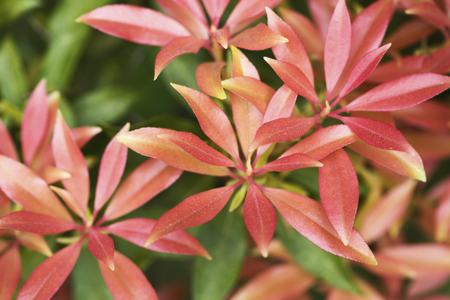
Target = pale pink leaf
(83,135)
(281,105)
(215,9)
(7,146)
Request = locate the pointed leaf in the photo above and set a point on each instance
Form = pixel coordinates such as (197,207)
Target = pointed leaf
(245,88)
(137,230)
(68,157)
(135,24)
(127,281)
(34,242)
(209,79)
(213,121)
(173,49)
(69,200)
(102,247)
(83,135)
(35,223)
(192,211)
(10,267)
(293,51)
(281,105)
(309,219)
(112,166)
(257,38)
(401,93)
(49,276)
(145,182)
(337,45)
(21,185)
(339,192)
(7,146)
(182,150)
(241,65)
(215,9)
(289,163)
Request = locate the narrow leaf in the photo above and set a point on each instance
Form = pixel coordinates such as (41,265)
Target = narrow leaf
(35,223)
(10,275)
(209,79)
(102,247)
(7,146)
(289,163)
(215,9)
(257,38)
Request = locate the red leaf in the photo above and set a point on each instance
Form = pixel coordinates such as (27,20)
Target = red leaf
(23,186)
(215,9)
(245,88)
(281,130)
(260,218)
(294,78)
(339,193)
(48,277)
(308,218)
(256,38)
(293,51)
(176,47)
(112,166)
(209,79)
(182,150)
(289,163)
(35,223)
(135,24)
(401,93)
(127,281)
(431,13)
(10,267)
(323,142)
(34,125)
(145,182)
(137,230)
(378,134)
(194,210)
(7,146)
(102,247)
(213,121)
(68,157)
(337,45)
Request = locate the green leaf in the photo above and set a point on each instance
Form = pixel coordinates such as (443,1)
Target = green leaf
(225,239)
(104,105)
(13,82)
(87,281)
(332,269)
(12,9)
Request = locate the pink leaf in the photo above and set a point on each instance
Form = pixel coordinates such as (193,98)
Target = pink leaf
(7,146)
(430,115)
(194,210)
(102,247)
(209,79)
(241,65)
(289,163)
(213,121)
(215,9)
(69,200)
(112,166)
(49,276)
(260,218)
(367,293)
(35,223)
(378,134)
(339,193)
(34,242)
(145,182)
(401,93)
(323,142)
(83,135)
(337,45)
(387,211)
(10,275)
(362,69)
(127,281)
(137,230)
(23,186)
(321,12)
(245,88)
(282,130)
(431,13)
(68,157)
(256,38)
(294,78)
(135,24)
(281,105)
(35,118)
(293,51)
(176,47)
(283,281)
(308,218)
(182,150)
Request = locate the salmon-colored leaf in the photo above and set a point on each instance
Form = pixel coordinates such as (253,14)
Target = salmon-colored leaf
(48,277)
(289,163)
(127,281)
(102,247)
(69,200)
(281,105)
(10,267)
(256,38)
(431,13)
(83,135)
(194,210)
(215,9)
(339,192)
(430,115)
(209,79)
(34,242)
(135,24)
(7,146)
(145,182)
(35,223)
